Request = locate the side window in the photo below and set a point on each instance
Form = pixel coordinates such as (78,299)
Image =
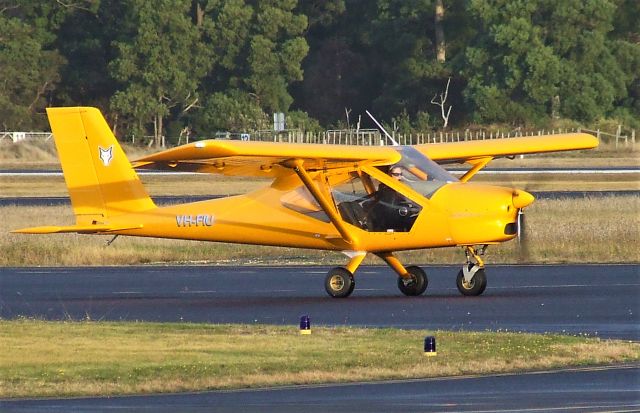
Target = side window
(374,206)
(361,201)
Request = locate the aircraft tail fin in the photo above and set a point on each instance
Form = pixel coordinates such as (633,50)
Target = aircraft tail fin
(99,177)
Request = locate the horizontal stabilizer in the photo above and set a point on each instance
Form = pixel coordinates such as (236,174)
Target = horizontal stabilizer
(82,229)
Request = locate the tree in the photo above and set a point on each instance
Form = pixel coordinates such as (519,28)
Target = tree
(276,50)
(257,49)
(377,55)
(28,65)
(531,57)
(441,49)
(159,65)
(85,38)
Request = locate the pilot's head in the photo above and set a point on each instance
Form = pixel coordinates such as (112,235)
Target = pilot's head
(396,172)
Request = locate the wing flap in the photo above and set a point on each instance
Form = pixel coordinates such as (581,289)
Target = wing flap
(261,158)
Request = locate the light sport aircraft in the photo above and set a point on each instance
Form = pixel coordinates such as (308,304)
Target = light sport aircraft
(328,197)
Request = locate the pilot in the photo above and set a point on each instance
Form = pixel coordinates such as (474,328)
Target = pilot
(387,203)
(386,194)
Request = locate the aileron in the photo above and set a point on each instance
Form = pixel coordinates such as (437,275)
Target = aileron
(475,150)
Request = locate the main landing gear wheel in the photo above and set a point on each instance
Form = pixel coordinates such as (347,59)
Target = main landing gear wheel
(416,285)
(474,287)
(339,282)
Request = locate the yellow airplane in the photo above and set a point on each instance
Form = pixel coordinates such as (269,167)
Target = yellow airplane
(355,199)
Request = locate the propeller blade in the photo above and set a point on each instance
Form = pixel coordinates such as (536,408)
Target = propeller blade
(523,245)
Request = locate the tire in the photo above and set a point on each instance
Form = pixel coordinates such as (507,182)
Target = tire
(475,287)
(419,284)
(339,282)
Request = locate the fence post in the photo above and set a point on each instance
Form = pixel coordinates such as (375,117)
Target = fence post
(633,137)
(618,131)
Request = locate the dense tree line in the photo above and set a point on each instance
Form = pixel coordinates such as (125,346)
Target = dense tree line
(158,67)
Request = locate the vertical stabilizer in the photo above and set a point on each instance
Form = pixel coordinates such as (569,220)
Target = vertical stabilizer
(99,177)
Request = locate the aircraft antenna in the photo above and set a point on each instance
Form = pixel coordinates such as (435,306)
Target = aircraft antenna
(393,141)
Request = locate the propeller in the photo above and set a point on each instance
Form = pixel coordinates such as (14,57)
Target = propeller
(523,241)
(521,199)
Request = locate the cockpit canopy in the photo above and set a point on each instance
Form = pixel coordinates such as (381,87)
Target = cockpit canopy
(421,173)
(371,205)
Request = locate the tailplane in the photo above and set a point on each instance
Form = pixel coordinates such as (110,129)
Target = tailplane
(99,177)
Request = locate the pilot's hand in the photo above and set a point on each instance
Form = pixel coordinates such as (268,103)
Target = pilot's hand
(408,209)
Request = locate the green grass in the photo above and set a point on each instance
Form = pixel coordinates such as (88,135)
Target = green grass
(87,358)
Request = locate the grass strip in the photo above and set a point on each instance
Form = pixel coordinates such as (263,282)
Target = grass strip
(56,359)
(192,185)
(600,230)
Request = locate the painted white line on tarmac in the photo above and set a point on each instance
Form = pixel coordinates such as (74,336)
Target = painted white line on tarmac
(617,408)
(42,272)
(564,286)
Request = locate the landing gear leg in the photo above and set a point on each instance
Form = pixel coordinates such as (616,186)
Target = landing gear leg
(472,280)
(412,281)
(339,282)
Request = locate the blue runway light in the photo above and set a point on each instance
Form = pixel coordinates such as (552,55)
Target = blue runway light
(430,346)
(305,325)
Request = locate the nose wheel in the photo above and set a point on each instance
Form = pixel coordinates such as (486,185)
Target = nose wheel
(471,279)
(475,286)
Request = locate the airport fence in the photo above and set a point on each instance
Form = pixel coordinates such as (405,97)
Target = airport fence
(368,137)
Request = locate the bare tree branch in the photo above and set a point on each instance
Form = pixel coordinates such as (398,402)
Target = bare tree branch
(8,8)
(74,6)
(441,103)
(190,105)
(39,94)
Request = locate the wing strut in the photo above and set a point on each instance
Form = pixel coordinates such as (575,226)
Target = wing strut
(322,200)
(477,165)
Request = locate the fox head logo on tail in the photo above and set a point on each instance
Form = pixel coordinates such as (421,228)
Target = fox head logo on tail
(106,155)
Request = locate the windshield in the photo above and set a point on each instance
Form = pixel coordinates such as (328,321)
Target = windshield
(421,173)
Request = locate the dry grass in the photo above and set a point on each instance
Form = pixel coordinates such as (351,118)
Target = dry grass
(18,186)
(41,154)
(27,154)
(66,359)
(74,249)
(217,185)
(574,231)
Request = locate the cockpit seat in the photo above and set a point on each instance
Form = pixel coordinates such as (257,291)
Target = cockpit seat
(353,213)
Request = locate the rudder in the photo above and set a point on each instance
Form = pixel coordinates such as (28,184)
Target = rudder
(99,177)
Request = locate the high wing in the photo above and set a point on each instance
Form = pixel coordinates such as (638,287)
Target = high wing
(262,159)
(478,150)
(266,159)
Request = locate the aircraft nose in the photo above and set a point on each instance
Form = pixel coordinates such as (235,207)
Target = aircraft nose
(521,198)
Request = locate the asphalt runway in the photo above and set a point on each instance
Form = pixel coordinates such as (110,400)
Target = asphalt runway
(604,389)
(594,300)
